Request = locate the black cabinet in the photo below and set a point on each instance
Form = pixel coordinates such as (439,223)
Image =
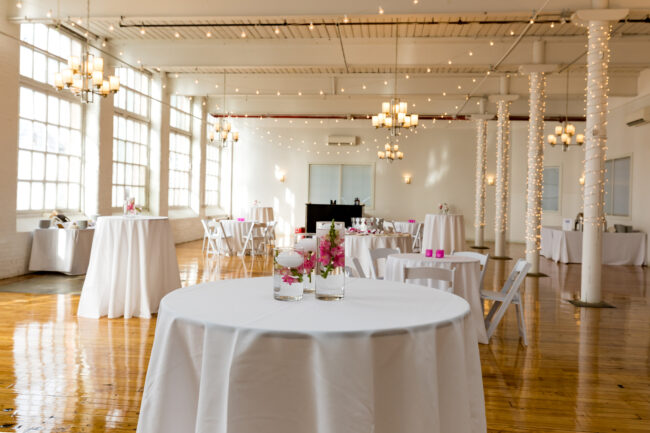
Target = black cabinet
(329,212)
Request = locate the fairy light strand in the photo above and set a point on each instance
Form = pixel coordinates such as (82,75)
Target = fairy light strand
(534,184)
(503,156)
(481,170)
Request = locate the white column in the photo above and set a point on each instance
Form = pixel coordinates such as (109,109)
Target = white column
(537,105)
(481,169)
(596,135)
(503,144)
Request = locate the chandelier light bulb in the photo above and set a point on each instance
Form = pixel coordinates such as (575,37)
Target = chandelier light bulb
(208,34)
(276,30)
(142,31)
(243,34)
(111,28)
(381,10)
(311,26)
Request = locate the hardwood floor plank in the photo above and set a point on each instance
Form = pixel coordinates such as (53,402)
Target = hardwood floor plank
(585,370)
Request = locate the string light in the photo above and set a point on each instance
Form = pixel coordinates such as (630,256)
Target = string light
(537,108)
(481,170)
(503,163)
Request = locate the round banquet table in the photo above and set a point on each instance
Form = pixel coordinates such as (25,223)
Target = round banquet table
(443,232)
(132,266)
(260,214)
(237,230)
(388,358)
(406,227)
(358,246)
(61,250)
(466,280)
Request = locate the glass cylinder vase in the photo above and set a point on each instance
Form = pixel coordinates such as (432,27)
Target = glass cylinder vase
(287,275)
(330,273)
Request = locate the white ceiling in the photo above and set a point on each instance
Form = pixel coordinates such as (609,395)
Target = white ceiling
(280,53)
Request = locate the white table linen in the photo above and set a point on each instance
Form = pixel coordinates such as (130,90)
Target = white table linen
(618,248)
(237,230)
(132,266)
(405,227)
(358,246)
(467,278)
(61,250)
(388,358)
(260,214)
(443,232)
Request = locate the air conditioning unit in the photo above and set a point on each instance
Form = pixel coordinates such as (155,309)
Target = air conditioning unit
(640,117)
(342,140)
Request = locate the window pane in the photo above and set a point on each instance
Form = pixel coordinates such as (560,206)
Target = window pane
(23,195)
(357,183)
(25,62)
(324,183)
(40,67)
(24,164)
(37,195)
(551,187)
(26,103)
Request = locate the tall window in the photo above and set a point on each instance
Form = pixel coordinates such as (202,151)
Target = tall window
(212,174)
(131,124)
(341,182)
(551,189)
(180,151)
(617,186)
(50,133)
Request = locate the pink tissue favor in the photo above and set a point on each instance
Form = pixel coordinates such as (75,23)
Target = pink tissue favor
(411,221)
(440,254)
(241,219)
(429,253)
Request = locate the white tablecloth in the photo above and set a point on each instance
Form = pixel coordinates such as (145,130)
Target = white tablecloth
(443,232)
(132,266)
(466,280)
(260,214)
(618,248)
(406,227)
(358,246)
(238,230)
(389,358)
(61,250)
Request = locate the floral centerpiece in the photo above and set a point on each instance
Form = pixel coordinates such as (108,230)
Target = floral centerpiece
(287,274)
(330,277)
(444,208)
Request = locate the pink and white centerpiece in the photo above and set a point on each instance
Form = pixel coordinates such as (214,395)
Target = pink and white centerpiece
(330,275)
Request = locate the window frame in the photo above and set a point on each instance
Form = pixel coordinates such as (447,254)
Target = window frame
(130,115)
(373,170)
(218,176)
(559,191)
(47,89)
(629,192)
(189,135)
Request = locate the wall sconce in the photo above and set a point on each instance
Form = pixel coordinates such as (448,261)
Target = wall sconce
(581,180)
(282,177)
(490,180)
(407,179)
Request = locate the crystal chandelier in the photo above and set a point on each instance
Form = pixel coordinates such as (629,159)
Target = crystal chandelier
(565,132)
(390,153)
(223,132)
(84,75)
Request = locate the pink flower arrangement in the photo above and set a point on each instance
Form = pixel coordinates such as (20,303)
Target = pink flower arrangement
(332,251)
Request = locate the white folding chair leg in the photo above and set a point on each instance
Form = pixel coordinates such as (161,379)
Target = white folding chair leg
(521,322)
(499,312)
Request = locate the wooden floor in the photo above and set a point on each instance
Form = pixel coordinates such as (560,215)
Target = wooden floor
(585,370)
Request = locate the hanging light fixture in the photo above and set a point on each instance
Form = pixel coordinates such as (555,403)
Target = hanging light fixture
(564,133)
(84,75)
(394,113)
(390,153)
(223,132)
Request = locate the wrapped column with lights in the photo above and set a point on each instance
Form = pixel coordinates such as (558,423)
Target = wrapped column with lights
(599,30)
(503,102)
(481,171)
(535,177)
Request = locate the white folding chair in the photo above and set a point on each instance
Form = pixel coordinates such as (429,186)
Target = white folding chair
(375,256)
(209,237)
(254,239)
(223,239)
(510,293)
(389,226)
(442,276)
(417,239)
(355,264)
(351,272)
(482,258)
(270,233)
